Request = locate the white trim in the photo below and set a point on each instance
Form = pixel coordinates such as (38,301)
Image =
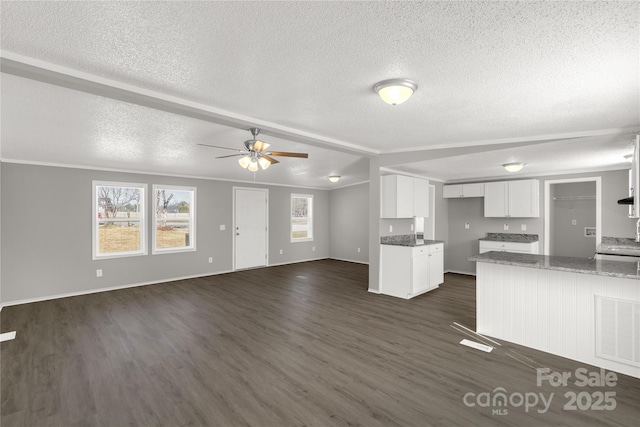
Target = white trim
(532,139)
(415,175)
(349,185)
(111,288)
(374,291)
(349,260)
(158,174)
(540,175)
(192,220)
(466,273)
(547,207)
(142,220)
(233,225)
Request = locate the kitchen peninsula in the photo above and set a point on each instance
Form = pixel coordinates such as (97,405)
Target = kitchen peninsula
(409,266)
(583,309)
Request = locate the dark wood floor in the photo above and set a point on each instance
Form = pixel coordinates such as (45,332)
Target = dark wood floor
(295,345)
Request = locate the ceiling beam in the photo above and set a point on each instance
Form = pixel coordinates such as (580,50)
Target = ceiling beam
(45,72)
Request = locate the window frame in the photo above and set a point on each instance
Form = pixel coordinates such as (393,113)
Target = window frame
(95,237)
(310,216)
(192,220)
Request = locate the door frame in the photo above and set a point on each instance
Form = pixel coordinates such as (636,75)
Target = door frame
(547,207)
(233,224)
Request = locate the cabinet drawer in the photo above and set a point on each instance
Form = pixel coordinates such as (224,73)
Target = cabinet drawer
(419,250)
(438,247)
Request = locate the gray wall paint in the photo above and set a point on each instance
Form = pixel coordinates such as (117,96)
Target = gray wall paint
(464,243)
(46,232)
(348,223)
(568,239)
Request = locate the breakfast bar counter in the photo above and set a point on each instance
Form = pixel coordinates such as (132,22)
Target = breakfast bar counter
(582,309)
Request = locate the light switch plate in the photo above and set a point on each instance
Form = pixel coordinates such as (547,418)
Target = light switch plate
(523,227)
(466,225)
(222,227)
(506,227)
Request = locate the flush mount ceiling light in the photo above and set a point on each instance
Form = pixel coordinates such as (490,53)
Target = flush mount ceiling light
(334,178)
(513,167)
(395,91)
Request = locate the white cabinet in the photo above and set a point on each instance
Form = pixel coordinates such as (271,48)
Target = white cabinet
(403,197)
(518,247)
(463,190)
(408,271)
(518,199)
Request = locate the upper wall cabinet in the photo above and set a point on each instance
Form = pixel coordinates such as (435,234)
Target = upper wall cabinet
(519,199)
(463,190)
(403,197)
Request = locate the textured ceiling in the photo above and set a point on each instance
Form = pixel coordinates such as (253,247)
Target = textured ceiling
(487,72)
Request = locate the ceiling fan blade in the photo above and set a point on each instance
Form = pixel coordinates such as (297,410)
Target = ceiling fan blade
(260,145)
(217,146)
(271,159)
(286,154)
(231,155)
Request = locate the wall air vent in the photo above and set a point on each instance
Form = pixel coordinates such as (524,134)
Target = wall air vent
(618,330)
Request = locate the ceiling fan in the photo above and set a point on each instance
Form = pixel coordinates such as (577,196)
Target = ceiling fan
(255,153)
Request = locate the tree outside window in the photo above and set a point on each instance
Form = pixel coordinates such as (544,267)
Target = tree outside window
(174,219)
(301,217)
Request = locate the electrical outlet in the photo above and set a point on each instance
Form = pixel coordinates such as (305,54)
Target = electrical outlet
(223,227)
(313,248)
(523,227)
(506,227)
(574,222)
(280,251)
(358,249)
(210,259)
(466,225)
(411,227)
(99,272)
(391,229)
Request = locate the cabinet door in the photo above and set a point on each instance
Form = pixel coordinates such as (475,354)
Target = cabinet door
(436,269)
(473,190)
(452,191)
(421,272)
(524,198)
(421,198)
(496,199)
(396,196)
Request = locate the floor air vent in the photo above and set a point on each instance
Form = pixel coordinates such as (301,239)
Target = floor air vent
(618,330)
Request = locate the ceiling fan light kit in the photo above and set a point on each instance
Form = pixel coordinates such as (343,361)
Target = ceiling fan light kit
(395,91)
(255,153)
(513,167)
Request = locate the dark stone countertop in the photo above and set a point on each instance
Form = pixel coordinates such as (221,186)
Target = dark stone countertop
(621,246)
(627,270)
(510,237)
(407,240)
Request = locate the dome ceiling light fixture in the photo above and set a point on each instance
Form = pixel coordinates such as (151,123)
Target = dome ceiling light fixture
(395,91)
(513,167)
(334,178)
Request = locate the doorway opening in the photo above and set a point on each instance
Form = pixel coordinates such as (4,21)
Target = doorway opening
(573,214)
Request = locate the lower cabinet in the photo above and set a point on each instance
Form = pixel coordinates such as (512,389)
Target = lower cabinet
(408,271)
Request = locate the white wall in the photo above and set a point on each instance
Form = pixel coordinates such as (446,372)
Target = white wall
(349,223)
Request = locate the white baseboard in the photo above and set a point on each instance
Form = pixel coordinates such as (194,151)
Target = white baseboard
(112,288)
(466,273)
(373,291)
(350,260)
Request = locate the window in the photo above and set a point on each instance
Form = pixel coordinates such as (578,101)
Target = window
(301,217)
(118,219)
(173,219)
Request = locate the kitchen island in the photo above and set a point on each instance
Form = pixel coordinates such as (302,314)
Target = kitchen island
(409,266)
(582,309)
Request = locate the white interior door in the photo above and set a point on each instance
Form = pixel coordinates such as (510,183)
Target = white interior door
(250,227)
